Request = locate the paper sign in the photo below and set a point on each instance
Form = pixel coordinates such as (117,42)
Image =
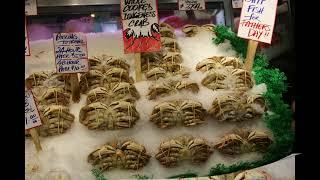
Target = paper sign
(257,20)
(237,4)
(140,26)
(26,41)
(32,117)
(185,5)
(30,7)
(70,50)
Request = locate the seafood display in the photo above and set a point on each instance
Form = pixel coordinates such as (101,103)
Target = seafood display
(120,154)
(243,141)
(253,174)
(191,30)
(174,151)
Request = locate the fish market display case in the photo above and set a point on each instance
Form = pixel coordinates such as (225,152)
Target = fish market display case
(196,111)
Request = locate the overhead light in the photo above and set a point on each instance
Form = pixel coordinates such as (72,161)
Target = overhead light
(92,15)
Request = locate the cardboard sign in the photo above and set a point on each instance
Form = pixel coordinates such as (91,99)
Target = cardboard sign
(70,50)
(237,4)
(30,7)
(140,26)
(257,20)
(26,40)
(185,5)
(32,117)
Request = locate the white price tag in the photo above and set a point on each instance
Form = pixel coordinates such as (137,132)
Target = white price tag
(30,7)
(185,5)
(70,50)
(257,20)
(26,41)
(32,117)
(237,4)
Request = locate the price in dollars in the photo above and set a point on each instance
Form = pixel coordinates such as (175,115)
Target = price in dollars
(32,117)
(185,5)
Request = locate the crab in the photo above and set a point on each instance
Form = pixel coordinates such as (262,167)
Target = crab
(95,63)
(217,62)
(156,73)
(97,94)
(150,60)
(244,79)
(116,74)
(116,62)
(90,80)
(166,25)
(253,174)
(208,27)
(170,44)
(214,80)
(60,80)
(55,96)
(170,87)
(124,89)
(117,115)
(167,32)
(174,151)
(243,141)
(172,57)
(119,154)
(190,30)
(57,120)
(37,78)
(172,113)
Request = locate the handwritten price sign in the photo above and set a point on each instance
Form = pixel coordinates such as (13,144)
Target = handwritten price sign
(237,4)
(257,20)
(140,26)
(185,5)
(30,7)
(70,51)
(26,41)
(32,117)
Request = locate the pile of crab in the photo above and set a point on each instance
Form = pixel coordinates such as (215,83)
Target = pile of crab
(191,30)
(111,95)
(52,94)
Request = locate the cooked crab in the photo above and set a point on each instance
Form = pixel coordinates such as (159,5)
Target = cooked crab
(190,30)
(172,57)
(167,32)
(95,63)
(60,80)
(37,78)
(217,62)
(116,75)
(90,80)
(119,154)
(116,115)
(156,73)
(172,152)
(166,25)
(116,62)
(170,87)
(244,79)
(54,96)
(215,80)
(57,120)
(170,44)
(122,90)
(178,112)
(208,27)
(253,174)
(150,60)
(243,141)
(98,94)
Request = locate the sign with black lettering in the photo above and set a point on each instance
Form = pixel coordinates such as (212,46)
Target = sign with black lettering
(31,114)
(140,26)
(70,50)
(186,5)
(30,7)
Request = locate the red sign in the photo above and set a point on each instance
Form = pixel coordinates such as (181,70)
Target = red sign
(140,26)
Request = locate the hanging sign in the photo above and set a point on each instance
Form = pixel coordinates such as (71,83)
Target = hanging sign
(32,117)
(26,41)
(30,7)
(70,50)
(237,4)
(185,5)
(257,20)
(140,26)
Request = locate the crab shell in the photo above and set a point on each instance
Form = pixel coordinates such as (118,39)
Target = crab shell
(231,144)
(214,80)
(173,151)
(156,73)
(90,80)
(209,63)
(253,175)
(232,61)
(95,64)
(125,155)
(116,74)
(208,27)
(190,30)
(166,25)
(170,44)
(116,62)
(37,78)
(259,141)
(55,96)
(97,94)
(57,120)
(167,32)
(225,108)
(172,57)
(124,89)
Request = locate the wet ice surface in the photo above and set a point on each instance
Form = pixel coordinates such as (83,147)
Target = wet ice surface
(69,151)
